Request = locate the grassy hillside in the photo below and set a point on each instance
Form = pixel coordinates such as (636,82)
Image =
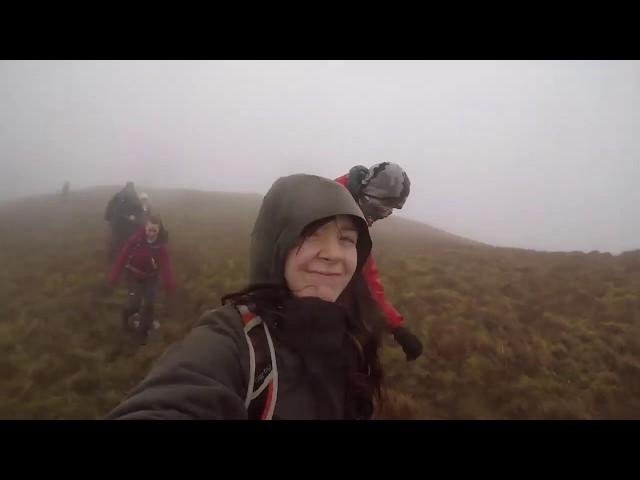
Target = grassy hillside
(508,333)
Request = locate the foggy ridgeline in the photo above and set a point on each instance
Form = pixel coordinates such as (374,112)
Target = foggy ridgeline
(508,333)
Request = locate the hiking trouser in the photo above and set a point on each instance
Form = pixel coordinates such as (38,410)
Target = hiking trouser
(140,291)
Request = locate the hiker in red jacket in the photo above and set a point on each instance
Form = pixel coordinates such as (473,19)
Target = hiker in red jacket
(143,256)
(378,191)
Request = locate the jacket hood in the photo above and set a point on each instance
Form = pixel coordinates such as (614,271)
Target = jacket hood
(292,203)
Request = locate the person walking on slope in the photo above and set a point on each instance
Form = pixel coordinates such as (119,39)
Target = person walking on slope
(379,190)
(144,256)
(146,206)
(124,213)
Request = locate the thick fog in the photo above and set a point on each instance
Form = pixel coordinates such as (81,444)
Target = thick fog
(528,154)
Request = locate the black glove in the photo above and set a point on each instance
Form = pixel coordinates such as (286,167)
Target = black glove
(410,344)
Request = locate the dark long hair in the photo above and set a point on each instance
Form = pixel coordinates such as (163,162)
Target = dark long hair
(365,327)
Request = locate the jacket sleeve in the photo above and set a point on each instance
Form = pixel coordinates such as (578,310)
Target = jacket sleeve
(165,270)
(109,211)
(201,377)
(121,259)
(370,271)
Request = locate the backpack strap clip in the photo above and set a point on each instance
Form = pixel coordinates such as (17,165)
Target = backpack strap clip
(262,388)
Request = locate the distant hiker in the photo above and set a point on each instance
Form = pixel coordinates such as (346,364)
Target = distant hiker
(125,215)
(146,211)
(378,191)
(301,342)
(144,256)
(64,194)
(146,207)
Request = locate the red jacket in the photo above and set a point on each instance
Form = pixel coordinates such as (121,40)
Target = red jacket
(370,271)
(143,259)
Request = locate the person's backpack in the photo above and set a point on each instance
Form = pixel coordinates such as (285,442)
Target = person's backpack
(262,388)
(109,212)
(354,180)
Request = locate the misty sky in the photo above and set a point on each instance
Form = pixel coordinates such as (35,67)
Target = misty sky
(513,153)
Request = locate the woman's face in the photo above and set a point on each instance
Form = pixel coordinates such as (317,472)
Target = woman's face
(375,209)
(152,230)
(324,263)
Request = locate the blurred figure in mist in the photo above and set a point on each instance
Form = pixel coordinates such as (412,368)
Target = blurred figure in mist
(146,206)
(125,215)
(147,212)
(64,194)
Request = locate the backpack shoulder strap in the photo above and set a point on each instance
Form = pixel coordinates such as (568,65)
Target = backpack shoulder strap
(262,388)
